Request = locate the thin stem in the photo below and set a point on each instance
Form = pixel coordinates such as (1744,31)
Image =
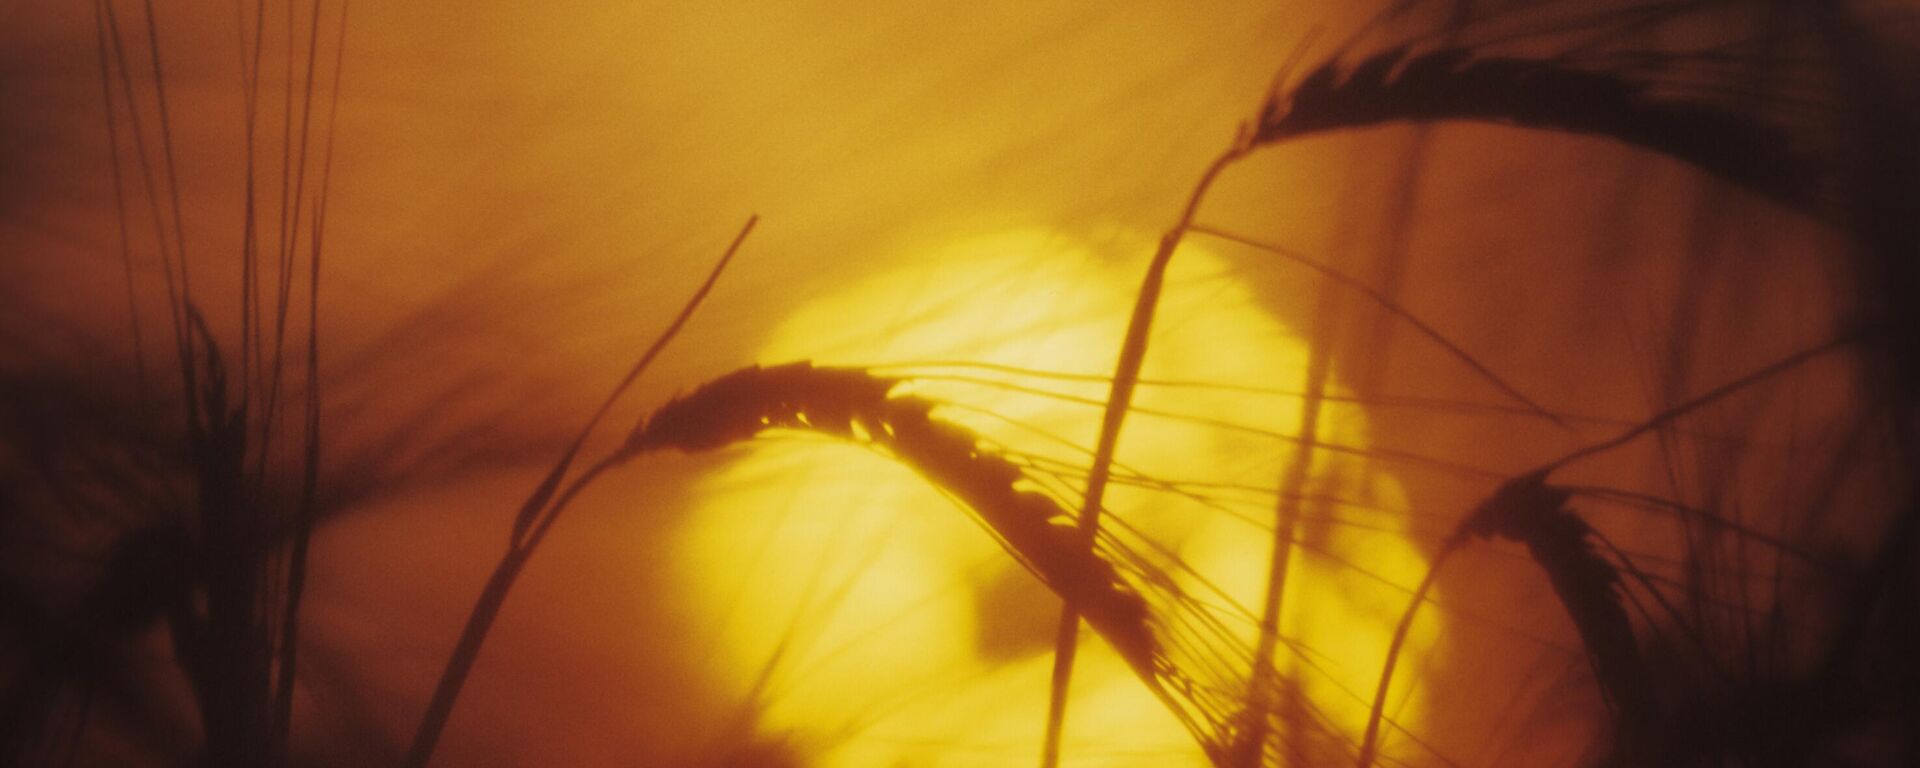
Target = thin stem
(120,207)
(486,609)
(536,502)
(1263,682)
(530,527)
(1393,307)
(309,488)
(188,366)
(1780,366)
(1126,375)
(176,303)
(1371,739)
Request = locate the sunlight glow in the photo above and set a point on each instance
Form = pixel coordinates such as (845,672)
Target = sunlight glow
(863,618)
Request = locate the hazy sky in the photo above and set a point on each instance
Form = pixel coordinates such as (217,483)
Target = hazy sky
(522,194)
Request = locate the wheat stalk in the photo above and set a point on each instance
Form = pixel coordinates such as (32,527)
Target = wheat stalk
(1171,643)
(535,519)
(1527,510)
(851,404)
(1453,84)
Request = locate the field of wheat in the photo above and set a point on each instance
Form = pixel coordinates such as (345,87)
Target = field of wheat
(589,383)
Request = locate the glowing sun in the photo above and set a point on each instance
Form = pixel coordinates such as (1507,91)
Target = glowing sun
(861,616)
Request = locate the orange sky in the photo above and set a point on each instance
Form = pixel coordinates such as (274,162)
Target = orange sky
(523,194)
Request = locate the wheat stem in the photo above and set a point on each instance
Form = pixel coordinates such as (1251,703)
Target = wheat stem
(530,527)
(1133,353)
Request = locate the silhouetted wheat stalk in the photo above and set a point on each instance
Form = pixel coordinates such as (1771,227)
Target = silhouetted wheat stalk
(225,564)
(1441,85)
(1460,84)
(1137,608)
(854,405)
(535,518)
(1528,510)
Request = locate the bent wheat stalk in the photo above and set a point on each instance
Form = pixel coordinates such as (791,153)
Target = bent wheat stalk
(535,518)
(852,404)
(1453,84)
(1532,512)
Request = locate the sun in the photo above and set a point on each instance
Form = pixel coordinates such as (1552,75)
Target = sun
(863,618)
